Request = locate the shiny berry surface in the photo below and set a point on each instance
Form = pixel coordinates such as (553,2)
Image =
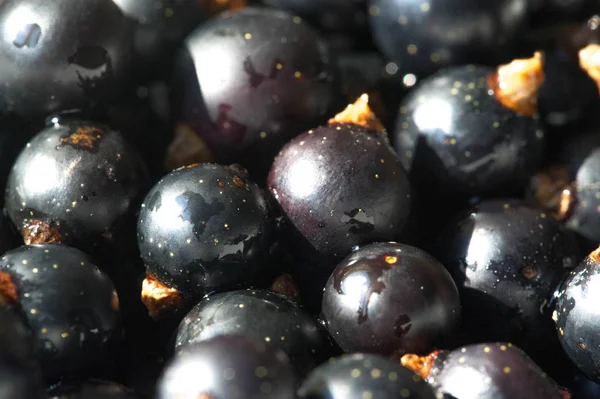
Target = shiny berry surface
(339,186)
(61,55)
(204,228)
(576,316)
(260,315)
(423,36)
(507,260)
(77,183)
(71,306)
(390,298)
(269,78)
(363,376)
(240,368)
(439,136)
(495,370)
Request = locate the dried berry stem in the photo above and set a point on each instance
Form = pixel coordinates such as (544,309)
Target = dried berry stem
(360,114)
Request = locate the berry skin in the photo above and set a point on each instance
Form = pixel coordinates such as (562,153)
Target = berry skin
(77,183)
(260,315)
(258,90)
(390,298)
(363,376)
(241,368)
(439,132)
(339,186)
(71,306)
(91,389)
(507,260)
(201,229)
(424,36)
(576,316)
(20,374)
(487,370)
(62,55)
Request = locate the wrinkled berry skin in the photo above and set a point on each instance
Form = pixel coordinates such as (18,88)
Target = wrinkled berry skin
(61,55)
(20,374)
(424,36)
(576,316)
(339,186)
(204,228)
(71,306)
(495,370)
(390,298)
(453,136)
(241,368)
(363,375)
(269,78)
(81,179)
(507,260)
(260,315)
(91,389)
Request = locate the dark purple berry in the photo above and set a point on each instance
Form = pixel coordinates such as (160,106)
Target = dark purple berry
(229,366)
(260,315)
(390,298)
(202,228)
(363,376)
(77,183)
(62,55)
(71,306)
(248,81)
(473,130)
(340,186)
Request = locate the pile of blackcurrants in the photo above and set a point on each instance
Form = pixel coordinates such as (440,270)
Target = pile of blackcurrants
(300,199)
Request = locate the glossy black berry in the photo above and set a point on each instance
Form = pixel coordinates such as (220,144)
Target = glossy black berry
(20,374)
(61,55)
(91,389)
(77,183)
(390,298)
(487,370)
(202,229)
(239,368)
(248,81)
(339,186)
(71,306)
(507,260)
(472,130)
(260,315)
(363,376)
(423,36)
(576,317)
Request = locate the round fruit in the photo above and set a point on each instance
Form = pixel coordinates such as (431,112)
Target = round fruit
(494,370)
(340,186)
(507,260)
(62,55)
(202,228)
(390,298)
(71,306)
(259,315)
(248,81)
(239,368)
(363,376)
(473,130)
(77,183)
